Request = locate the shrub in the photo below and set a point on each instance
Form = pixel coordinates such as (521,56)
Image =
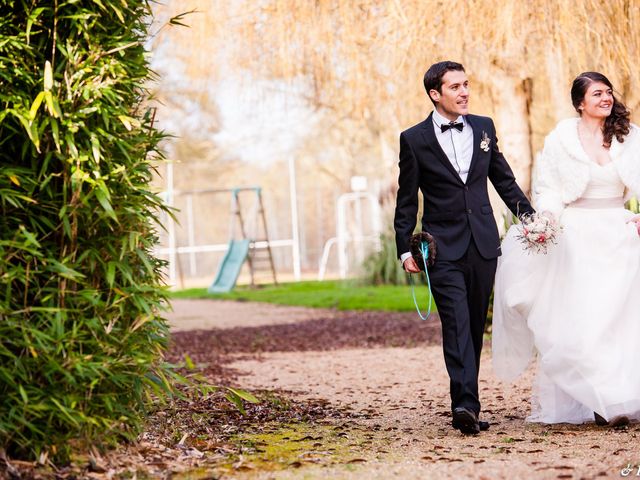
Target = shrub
(81,336)
(382,267)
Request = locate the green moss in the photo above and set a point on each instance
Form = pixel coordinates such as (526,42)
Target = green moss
(295,445)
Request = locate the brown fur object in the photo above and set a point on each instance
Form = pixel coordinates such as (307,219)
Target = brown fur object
(414,245)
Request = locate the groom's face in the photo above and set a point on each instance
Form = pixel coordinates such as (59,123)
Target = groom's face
(453,101)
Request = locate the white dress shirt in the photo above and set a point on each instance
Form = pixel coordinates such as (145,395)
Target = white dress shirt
(457,146)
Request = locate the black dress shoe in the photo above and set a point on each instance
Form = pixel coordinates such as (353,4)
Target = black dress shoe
(619,421)
(466,421)
(600,420)
(484,426)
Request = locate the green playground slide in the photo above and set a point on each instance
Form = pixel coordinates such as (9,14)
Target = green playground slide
(230,266)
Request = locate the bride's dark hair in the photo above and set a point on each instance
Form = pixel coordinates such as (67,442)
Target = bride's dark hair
(617,123)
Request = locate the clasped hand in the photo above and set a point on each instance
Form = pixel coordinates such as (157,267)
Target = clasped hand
(635,219)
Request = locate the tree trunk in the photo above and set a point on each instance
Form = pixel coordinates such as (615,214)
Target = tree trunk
(511,104)
(511,98)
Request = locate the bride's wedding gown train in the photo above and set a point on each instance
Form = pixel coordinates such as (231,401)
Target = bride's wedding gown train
(577,308)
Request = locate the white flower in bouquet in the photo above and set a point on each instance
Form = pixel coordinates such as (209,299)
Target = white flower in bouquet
(537,232)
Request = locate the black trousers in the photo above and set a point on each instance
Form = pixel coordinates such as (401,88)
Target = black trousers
(462,289)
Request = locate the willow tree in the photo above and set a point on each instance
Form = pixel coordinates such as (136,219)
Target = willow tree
(81,336)
(364,60)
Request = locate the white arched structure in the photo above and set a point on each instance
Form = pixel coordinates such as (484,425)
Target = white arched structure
(349,214)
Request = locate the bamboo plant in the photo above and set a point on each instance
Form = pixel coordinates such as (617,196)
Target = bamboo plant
(81,332)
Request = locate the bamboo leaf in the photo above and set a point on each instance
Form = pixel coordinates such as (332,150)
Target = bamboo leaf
(140,321)
(36,105)
(129,122)
(71,144)
(188,362)
(56,107)
(142,255)
(125,121)
(52,104)
(55,133)
(64,411)
(65,271)
(32,18)
(111,273)
(237,401)
(95,148)
(178,19)
(243,394)
(104,201)
(117,11)
(23,394)
(48,76)
(30,237)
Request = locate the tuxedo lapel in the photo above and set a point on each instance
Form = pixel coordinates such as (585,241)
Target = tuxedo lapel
(432,142)
(477,138)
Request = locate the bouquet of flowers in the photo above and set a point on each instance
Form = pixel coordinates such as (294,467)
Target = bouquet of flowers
(537,232)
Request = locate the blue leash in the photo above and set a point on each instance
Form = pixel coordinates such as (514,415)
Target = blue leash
(424,249)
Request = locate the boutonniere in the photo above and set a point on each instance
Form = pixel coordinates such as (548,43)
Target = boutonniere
(484,143)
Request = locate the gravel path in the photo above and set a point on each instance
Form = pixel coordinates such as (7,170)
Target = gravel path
(207,314)
(388,369)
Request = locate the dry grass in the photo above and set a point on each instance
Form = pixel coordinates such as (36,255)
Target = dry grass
(360,65)
(364,60)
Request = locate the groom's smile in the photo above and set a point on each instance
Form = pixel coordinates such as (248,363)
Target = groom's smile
(453,99)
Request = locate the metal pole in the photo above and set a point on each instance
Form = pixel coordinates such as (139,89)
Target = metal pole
(359,234)
(295,235)
(172,227)
(342,234)
(192,235)
(244,236)
(266,237)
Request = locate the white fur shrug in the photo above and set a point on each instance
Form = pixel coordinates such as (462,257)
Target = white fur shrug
(562,169)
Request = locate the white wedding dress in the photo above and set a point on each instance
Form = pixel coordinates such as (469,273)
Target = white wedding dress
(576,308)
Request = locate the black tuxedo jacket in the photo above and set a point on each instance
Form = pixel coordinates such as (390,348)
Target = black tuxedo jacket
(454,211)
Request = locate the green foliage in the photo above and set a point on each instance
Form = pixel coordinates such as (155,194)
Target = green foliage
(81,336)
(382,267)
(197,386)
(236,396)
(342,295)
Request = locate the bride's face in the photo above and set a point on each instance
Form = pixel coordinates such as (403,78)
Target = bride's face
(597,101)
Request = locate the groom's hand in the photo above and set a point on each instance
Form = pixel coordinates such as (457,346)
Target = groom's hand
(410,265)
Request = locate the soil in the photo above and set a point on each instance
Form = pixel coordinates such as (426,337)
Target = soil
(343,395)
(387,370)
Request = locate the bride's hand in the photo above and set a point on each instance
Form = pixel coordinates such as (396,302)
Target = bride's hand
(635,219)
(551,216)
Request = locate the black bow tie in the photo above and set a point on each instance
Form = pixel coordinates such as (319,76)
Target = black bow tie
(446,126)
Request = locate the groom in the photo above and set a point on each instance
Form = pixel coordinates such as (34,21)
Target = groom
(449,157)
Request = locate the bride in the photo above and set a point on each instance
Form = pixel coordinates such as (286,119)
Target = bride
(577,307)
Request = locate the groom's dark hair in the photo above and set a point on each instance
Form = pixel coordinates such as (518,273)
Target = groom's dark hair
(433,76)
